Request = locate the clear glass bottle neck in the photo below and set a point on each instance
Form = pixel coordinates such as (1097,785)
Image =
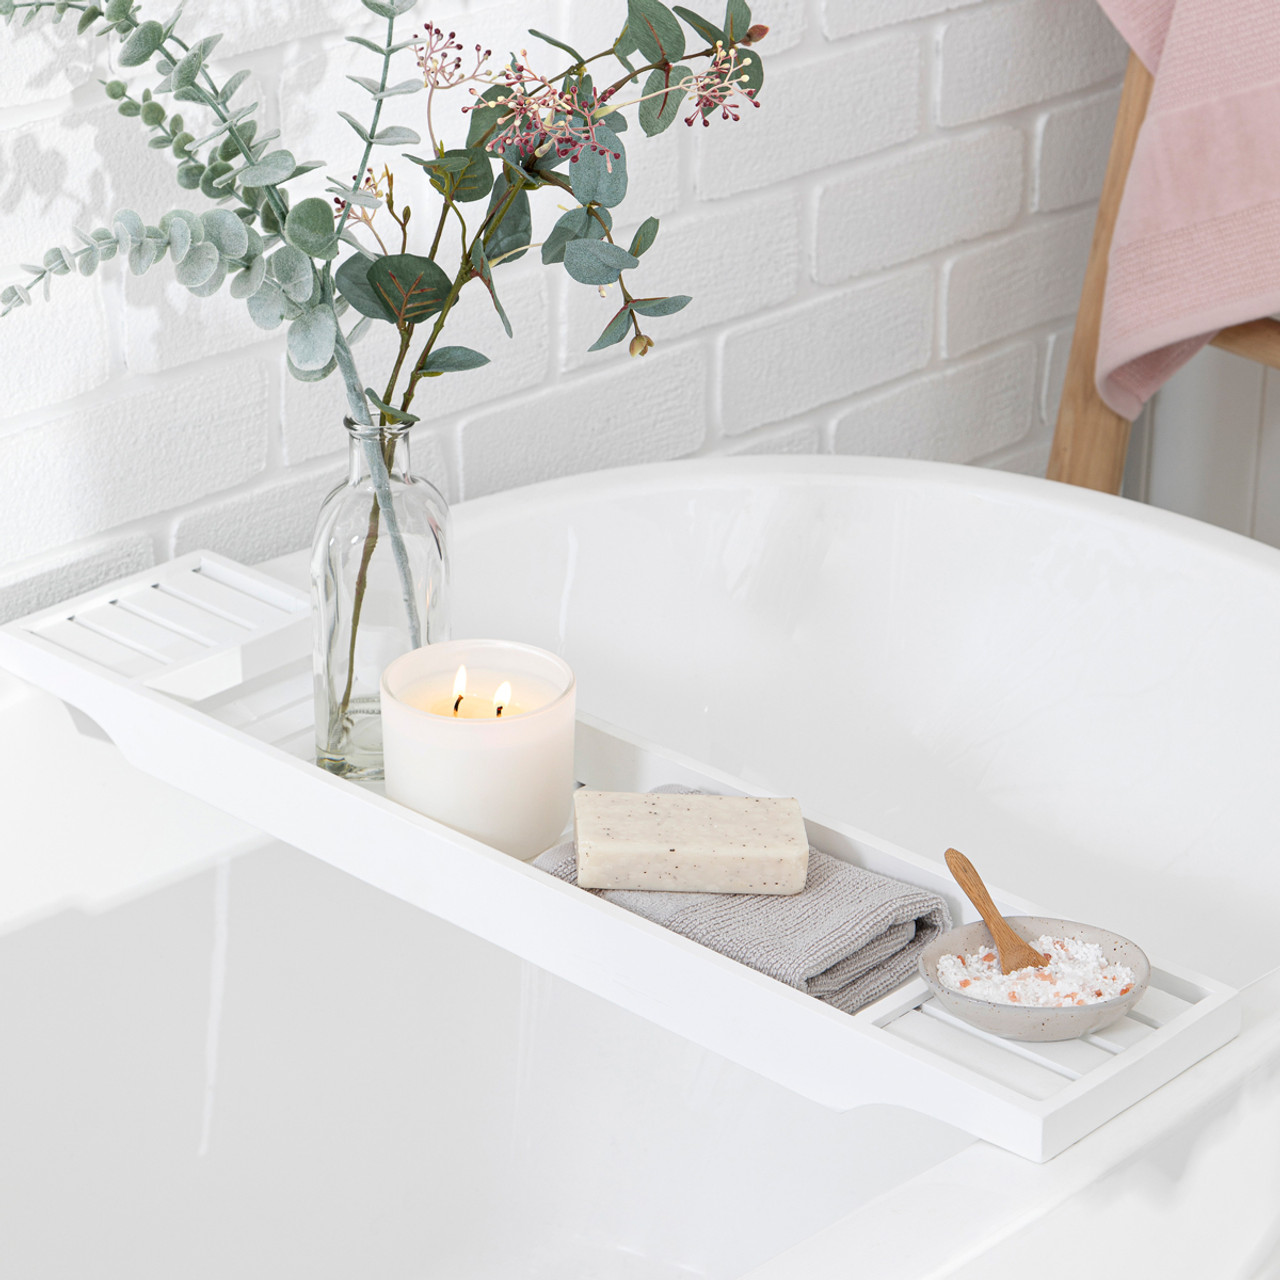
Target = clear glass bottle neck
(366,444)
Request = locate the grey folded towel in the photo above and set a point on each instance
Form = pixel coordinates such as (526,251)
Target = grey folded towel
(848,937)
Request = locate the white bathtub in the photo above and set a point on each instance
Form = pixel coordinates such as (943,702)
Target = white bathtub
(238,1061)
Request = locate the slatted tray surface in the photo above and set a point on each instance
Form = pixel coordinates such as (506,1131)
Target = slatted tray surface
(200,672)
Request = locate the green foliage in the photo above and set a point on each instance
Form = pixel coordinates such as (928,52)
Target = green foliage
(645,235)
(144,41)
(309,227)
(352,279)
(703,26)
(737,21)
(614,332)
(663,94)
(512,236)
(656,31)
(454,360)
(412,287)
(596,261)
(600,177)
(278,254)
(312,338)
(660,306)
(577,224)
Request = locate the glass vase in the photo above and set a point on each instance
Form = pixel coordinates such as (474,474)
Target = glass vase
(379,586)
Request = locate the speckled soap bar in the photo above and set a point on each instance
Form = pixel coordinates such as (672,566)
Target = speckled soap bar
(689,843)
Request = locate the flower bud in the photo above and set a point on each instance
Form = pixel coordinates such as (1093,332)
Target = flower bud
(756,32)
(640,344)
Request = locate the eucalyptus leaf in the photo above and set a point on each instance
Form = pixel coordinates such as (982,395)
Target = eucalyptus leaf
(480,267)
(229,89)
(361,131)
(512,236)
(132,226)
(199,264)
(663,94)
(390,412)
(656,30)
(596,261)
(272,168)
(311,340)
(737,20)
(142,257)
(226,232)
(293,273)
(209,179)
(577,224)
(487,118)
(412,287)
(358,330)
(645,235)
(601,176)
(703,26)
(614,331)
(311,375)
(143,41)
(388,8)
(559,44)
(309,227)
(244,284)
(353,283)
(269,308)
(213,283)
(396,136)
(660,306)
(454,360)
(188,68)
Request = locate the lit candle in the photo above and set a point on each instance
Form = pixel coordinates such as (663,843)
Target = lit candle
(478,734)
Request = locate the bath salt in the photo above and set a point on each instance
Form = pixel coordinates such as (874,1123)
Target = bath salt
(1077,973)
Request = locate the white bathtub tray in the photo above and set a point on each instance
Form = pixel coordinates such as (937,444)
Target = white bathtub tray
(200,672)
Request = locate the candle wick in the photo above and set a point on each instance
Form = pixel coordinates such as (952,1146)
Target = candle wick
(499,708)
(457,704)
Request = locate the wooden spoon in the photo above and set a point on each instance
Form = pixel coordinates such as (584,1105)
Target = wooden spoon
(1013,952)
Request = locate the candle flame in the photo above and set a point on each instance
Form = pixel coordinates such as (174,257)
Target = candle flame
(460,682)
(502,696)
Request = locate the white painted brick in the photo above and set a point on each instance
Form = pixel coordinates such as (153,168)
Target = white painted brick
(52,351)
(313,411)
(1055,374)
(1022,280)
(852,17)
(1072,146)
(815,114)
(41,583)
(44,61)
(689,256)
(956,415)
(918,200)
(1028,458)
(131,456)
(799,437)
(652,410)
(787,23)
(277,517)
(1000,57)
(259,24)
(824,350)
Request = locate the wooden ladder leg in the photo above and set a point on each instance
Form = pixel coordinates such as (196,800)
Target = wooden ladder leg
(1090,441)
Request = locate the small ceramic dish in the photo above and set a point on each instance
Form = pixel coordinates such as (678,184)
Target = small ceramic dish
(1022,1022)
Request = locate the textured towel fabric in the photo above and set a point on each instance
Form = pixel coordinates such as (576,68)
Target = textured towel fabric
(1197,239)
(848,937)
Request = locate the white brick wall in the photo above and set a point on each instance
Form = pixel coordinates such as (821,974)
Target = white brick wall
(884,257)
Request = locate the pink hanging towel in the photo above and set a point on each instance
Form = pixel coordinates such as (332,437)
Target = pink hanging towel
(1197,239)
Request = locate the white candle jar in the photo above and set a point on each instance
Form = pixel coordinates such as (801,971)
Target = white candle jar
(505,778)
